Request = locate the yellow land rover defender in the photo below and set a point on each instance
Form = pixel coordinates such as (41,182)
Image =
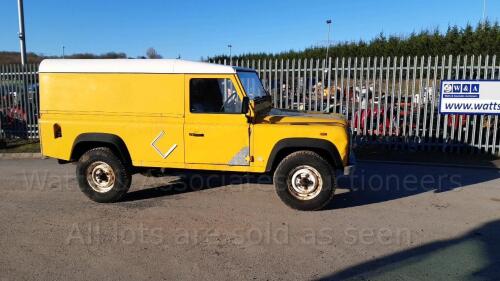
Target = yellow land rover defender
(117,117)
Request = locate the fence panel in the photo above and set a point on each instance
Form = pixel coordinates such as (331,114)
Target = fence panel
(19,101)
(388,100)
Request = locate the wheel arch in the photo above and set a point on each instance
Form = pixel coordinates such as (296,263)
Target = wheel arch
(87,141)
(286,146)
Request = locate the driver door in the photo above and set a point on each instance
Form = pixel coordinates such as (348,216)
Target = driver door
(215,131)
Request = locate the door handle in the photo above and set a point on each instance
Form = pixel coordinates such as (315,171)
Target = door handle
(199,135)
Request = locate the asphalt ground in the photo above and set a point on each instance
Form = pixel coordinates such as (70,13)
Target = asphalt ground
(387,222)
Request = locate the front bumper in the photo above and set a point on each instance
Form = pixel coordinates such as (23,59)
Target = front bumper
(350,167)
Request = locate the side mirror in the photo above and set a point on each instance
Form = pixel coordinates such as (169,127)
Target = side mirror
(245,105)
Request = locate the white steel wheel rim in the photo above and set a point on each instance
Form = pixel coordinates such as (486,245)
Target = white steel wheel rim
(305,182)
(100,177)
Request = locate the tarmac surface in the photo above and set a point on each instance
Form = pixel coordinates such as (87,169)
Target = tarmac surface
(388,222)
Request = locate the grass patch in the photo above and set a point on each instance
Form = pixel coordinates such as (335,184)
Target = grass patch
(19,146)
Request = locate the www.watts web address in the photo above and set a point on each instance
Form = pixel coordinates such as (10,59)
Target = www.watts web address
(464,106)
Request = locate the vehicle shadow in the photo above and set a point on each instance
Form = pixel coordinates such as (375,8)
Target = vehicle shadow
(186,183)
(377,182)
(168,189)
(473,256)
(371,183)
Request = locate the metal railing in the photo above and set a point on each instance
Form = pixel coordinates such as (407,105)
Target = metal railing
(387,100)
(19,100)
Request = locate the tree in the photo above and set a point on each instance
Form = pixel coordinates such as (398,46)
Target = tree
(483,39)
(151,53)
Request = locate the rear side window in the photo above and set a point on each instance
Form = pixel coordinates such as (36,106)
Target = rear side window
(213,95)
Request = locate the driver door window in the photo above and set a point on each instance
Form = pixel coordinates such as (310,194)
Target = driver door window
(213,95)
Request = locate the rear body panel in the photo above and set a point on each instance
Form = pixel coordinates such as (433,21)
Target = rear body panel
(135,107)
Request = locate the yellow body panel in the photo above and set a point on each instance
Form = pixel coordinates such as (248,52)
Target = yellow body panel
(107,93)
(135,107)
(150,113)
(266,135)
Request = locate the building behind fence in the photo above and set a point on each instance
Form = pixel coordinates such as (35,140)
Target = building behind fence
(387,100)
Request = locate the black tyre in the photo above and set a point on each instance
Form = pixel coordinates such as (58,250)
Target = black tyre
(305,181)
(102,176)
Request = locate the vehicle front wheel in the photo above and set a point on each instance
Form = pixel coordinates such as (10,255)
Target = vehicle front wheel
(102,176)
(305,181)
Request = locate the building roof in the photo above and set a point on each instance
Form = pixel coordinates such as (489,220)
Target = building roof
(132,66)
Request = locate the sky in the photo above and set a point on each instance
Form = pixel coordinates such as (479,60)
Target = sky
(196,29)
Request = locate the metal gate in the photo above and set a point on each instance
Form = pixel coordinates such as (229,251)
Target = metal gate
(387,100)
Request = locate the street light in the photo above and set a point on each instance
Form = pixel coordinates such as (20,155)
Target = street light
(329,22)
(63,47)
(22,36)
(230,55)
(484,12)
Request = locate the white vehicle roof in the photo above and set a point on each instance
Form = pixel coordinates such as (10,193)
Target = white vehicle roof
(132,66)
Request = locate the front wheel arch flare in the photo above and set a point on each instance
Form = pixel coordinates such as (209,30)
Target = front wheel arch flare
(286,146)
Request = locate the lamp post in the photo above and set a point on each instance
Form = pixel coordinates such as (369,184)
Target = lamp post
(22,36)
(484,12)
(329,23)
(63,49)
(230,54)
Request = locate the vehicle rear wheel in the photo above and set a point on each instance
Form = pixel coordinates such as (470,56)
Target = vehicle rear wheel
(305,181)
(102,176)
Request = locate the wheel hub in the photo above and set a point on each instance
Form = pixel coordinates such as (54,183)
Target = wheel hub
(100,177)
(305,182)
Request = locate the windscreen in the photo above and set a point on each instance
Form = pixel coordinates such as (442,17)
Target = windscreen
(251,83)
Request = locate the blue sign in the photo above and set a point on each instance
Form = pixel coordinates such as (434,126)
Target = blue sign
(465,88)
(475,88)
